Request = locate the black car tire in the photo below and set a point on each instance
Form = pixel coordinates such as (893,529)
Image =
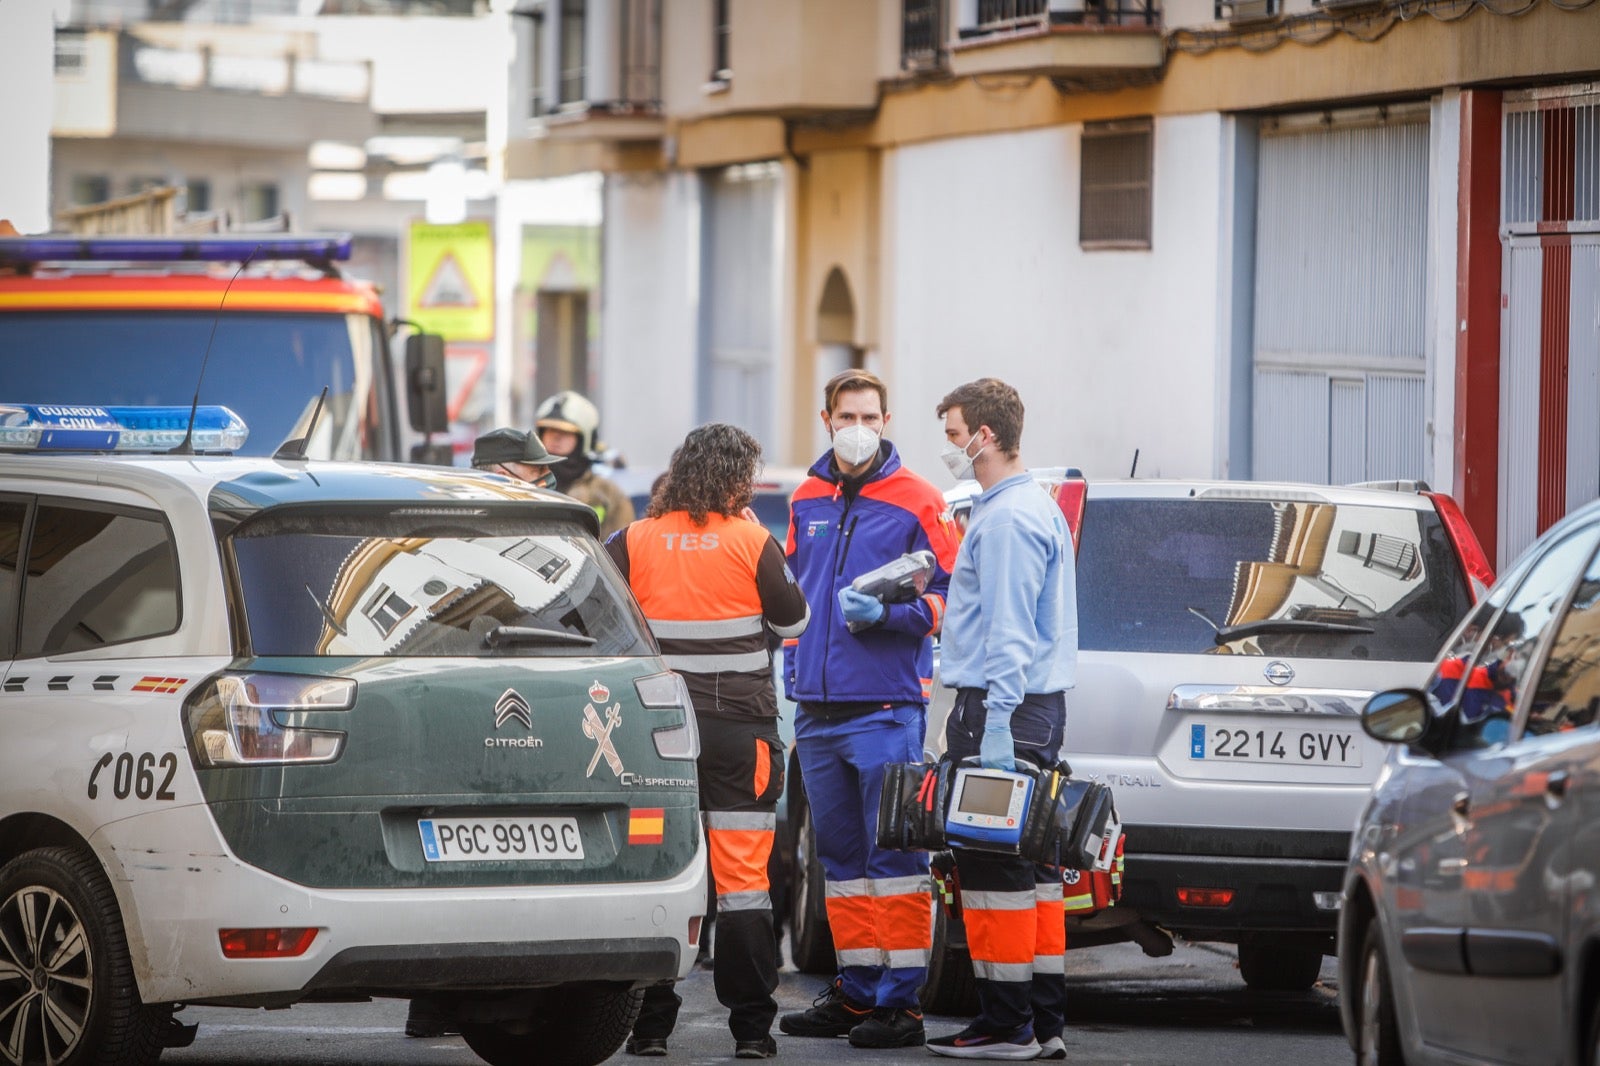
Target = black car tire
(951,987)
(810,939)
(1269,968)
(577,1026)
(66,898)
(1377,1032)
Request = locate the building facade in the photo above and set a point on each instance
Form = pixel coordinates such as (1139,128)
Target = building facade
(1331,242)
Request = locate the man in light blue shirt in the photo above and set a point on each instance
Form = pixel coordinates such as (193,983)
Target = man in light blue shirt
(1010,649)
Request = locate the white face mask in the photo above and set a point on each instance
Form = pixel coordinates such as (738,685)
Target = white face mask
(958,462)
(854,445)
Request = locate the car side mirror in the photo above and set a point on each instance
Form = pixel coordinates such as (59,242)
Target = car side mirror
(425,385)
(1399,716)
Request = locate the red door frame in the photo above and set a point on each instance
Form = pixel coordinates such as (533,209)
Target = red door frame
(1478,301)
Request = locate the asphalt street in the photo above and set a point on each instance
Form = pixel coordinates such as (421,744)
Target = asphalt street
(1126,1010)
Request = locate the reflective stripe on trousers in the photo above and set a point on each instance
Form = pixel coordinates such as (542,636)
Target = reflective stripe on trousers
(881,921)
(1050,944)
(741,843)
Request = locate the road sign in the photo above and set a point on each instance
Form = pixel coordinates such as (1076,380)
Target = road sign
(450,279)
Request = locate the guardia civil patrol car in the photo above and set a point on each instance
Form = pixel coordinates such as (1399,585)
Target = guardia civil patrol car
(276,730)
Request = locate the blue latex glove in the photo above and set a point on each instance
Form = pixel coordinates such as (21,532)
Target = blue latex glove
(859,608)
(997,751)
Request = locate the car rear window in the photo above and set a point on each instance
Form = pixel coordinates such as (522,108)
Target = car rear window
(414,585)
(1277,577)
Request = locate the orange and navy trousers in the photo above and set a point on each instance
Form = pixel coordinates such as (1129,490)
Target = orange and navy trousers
(741,777)
(1012,908)
(879,902)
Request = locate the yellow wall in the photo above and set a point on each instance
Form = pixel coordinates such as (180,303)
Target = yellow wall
(837,226)
(844,47)
(1412,59)
(819,55)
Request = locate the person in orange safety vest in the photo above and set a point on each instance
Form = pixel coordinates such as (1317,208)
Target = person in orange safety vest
(713,583)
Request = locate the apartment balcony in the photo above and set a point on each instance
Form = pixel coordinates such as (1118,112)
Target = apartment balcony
(1065,39)
(791,60)
(595,70)
(113,83)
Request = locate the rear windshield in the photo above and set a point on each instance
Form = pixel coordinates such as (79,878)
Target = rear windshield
(1314,580)
(412,586)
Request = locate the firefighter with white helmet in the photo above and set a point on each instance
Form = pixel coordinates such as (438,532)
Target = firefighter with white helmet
(569,426)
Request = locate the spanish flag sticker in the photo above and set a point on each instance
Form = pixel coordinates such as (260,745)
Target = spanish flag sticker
(646,824)
(160,684)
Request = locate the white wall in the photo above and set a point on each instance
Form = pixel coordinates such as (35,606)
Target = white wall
(27,50)
(569,201)
(1111,350)
(1444,181)
(422,65)
(650,307)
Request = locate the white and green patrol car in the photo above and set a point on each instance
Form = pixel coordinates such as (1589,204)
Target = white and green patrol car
(275,731)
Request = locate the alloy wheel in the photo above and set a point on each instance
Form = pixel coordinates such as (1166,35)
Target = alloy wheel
(1372,992)
(46,978)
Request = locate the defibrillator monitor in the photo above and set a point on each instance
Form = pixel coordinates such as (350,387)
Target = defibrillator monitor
(987,807)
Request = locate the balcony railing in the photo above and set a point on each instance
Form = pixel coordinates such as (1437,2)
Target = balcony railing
(921,34)
(197,68)
(1015,16)
(1000,15)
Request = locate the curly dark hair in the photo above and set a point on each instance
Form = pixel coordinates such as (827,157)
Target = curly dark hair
(712,472)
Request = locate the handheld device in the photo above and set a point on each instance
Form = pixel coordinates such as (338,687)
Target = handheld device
(988,808)
(896,581)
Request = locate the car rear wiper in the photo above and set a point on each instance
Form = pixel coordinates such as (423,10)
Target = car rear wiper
(503,636)
(1228,634)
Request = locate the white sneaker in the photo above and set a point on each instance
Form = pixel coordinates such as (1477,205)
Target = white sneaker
(1054,1048)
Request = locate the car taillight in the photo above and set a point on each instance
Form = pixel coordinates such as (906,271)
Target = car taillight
(1205,897)
(1480,575)
(667,691)
(1069,497)
(250,719)
(265,943)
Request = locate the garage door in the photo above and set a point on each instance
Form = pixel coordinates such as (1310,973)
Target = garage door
(739,299)
(1340,303)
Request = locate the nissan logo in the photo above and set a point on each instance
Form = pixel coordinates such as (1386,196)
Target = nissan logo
(1279,672)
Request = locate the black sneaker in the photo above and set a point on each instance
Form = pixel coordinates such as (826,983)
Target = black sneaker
(649,1046)
(765,1048)
(890,1027)
(831,1014)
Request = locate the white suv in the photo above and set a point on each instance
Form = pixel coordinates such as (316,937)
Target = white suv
(1229,634)
(278,730)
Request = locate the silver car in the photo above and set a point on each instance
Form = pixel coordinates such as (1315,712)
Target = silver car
(1470,926)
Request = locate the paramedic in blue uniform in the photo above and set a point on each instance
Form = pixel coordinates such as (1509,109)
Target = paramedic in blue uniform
(862,700)
(1010,650)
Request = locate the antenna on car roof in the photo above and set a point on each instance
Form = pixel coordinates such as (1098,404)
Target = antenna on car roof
(186,446)
(296,448)
(1135,465)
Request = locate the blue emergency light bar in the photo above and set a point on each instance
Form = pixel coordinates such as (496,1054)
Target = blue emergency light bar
(228,249)
(33,427)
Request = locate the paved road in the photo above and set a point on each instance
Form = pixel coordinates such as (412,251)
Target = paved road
(1126,1010)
